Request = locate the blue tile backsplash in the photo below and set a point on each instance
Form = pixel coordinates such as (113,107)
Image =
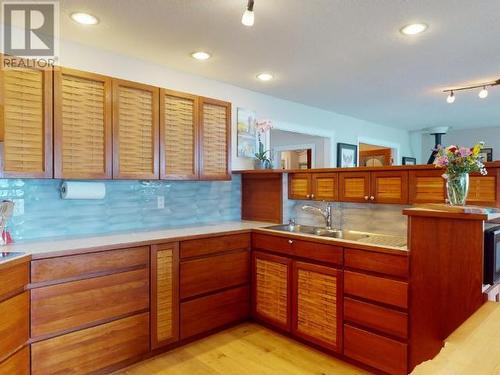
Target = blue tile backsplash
(128,206)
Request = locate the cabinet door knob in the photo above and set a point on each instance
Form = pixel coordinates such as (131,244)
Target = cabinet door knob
(290,241)
(308,196)
(366,197)
(312,196)
(372,197)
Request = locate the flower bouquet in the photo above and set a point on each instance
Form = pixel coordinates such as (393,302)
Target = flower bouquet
(263,157)
(458,162)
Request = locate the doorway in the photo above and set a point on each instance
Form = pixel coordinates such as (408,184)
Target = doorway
(374,155)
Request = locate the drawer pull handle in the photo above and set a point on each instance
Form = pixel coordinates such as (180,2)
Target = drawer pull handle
(290,241)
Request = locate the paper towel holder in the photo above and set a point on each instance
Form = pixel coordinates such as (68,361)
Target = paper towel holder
(82,190)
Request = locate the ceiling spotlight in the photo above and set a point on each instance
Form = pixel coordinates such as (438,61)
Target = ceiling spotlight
(84,18)
(451,98)
(200,55)
(265,76)
(483,93)
(414,29)
(248,18)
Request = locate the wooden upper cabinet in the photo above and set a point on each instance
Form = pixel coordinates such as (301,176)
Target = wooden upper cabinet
(299,186)
(317,311)
(215,139)
(26,122)
(325,186)
(389,187)
(135,130)
(427,186)
(178,136)
(82,125)
(484,190)
(354,186)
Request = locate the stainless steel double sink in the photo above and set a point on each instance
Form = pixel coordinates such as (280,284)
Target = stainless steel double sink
(319,231)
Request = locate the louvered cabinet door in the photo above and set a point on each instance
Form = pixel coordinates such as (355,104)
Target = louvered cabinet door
(215,135)
(354,186)
(325,186)
(299,186)
(178,136)
(272,289)
(26,122)
(135,130)
(82,126)
(317,314)
(164,294)
(389,187)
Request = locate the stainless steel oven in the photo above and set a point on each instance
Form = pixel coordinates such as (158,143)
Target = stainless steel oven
(492,254)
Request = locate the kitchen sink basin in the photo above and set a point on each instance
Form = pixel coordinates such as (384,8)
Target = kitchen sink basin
(319,231)
(340,234)
(348,235)
(297,228)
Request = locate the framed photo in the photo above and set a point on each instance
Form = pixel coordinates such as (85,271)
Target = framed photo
(247,135)
(347,155)
(486,154)
(409,161)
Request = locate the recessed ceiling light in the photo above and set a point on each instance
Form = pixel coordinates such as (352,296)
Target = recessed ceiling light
(84,18)
(201,55)
(414,28)
(265,76)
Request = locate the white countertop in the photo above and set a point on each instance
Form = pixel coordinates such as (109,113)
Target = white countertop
(59,246)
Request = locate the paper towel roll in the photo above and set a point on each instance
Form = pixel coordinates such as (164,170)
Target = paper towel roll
(83,190)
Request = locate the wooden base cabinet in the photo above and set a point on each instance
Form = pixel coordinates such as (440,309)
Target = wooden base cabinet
(317,305)
(272,289)
(102,348)
(164,294)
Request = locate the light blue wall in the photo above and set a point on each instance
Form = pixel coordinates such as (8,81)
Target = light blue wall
(128,206)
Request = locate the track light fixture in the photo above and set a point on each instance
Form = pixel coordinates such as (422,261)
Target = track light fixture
(482,94)
(248,18)
(451,98)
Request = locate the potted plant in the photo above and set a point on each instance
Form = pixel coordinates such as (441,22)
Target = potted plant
(458,163)
(262,157)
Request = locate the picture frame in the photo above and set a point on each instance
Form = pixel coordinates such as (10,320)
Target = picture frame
(347,155)
(486,154)
(246,133)
(407,160)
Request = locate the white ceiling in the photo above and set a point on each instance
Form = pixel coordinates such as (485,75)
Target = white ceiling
(345,56)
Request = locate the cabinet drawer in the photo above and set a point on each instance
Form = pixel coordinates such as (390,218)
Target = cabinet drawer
(18,364)
(93,349)
(88,265)
(394,265)
(206,246)
(14,324)
(62,307)
(206,313)
(379,318)
(277,244)
(205,275)
(390,292)
(13,278)
(304,249)
(376,351)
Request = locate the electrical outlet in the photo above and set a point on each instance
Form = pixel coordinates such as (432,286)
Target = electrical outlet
(160,202)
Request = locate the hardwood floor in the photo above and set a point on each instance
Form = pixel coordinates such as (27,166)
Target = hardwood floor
(248,349)
(251,349)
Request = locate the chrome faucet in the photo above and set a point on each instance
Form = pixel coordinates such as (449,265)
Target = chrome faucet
(326,213)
